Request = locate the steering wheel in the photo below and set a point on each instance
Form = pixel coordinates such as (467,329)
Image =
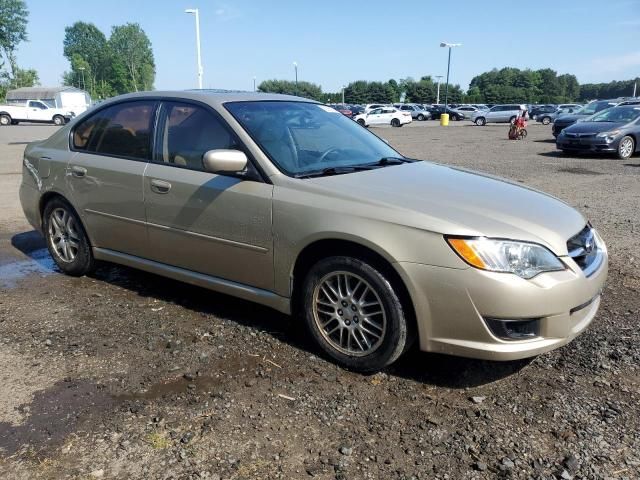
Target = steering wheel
(328,152)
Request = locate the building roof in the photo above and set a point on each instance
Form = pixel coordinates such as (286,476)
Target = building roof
(38,93)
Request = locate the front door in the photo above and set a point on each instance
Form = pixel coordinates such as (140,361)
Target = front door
(106,172)
(38,111)
(213,224)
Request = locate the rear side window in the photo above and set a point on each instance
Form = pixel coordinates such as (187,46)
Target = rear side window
(123,130)
(188,132)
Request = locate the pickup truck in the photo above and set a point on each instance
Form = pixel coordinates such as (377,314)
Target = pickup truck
(33,111)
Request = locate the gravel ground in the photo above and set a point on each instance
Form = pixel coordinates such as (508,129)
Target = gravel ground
(127,375)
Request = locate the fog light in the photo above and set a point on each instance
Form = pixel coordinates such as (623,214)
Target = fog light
(514,329)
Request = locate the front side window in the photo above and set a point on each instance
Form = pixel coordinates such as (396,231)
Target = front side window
(39,105)
(303,137)
(188,132)
(122,130)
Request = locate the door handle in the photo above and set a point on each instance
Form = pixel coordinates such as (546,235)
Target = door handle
(78,172)
(160,186)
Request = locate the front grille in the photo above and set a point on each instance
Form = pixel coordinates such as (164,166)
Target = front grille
(584,250)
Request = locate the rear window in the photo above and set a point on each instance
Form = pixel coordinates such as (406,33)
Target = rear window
(123,130)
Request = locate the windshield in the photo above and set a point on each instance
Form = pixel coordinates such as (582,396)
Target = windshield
(617,115)
(304,137)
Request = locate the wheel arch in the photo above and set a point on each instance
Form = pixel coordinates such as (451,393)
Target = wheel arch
(329,247)
(50,195)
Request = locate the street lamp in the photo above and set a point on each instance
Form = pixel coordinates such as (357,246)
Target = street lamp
(84,86)
(438,94)
(295,67)
(197,14)
(343,87)
(254,84)
(446,91)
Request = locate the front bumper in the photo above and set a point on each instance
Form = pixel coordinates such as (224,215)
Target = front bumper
(452,305)
(589,144)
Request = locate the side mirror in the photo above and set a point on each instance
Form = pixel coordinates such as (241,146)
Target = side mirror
(224,161)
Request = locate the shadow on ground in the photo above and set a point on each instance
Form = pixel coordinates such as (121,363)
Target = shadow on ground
(435,369)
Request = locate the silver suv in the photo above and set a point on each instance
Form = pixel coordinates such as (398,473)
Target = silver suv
(286,202)
(497,114)
(417,111)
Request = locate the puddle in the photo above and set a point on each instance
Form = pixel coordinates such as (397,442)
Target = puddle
(39,263)
(173,386)
(579,171)
(53,414)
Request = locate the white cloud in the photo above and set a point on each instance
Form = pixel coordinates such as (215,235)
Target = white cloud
(617,63)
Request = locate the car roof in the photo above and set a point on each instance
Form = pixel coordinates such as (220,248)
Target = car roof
(215,98)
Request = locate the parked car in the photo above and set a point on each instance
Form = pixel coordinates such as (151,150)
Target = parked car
(343,109)
(536,110)
(563,121)
(497,114)
(373,106)
(465,110)
(33,111)
(384,116)
(437,111)
(547,118)
(356,109)
(614,130)
(417,111)
(283,201)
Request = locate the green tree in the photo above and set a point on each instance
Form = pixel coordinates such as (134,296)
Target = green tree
(84,41)
(13,30)
(133,63)
(303,89)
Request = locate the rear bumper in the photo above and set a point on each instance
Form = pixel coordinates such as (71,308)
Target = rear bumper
(452,306)
(30,201)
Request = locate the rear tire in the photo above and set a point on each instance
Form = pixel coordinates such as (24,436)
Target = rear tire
(360,122)
(66,239)
(546,120)
(481,121)
(58,120)
(5,120)
(395,122)
(354,314)
(626,148)
(420,118)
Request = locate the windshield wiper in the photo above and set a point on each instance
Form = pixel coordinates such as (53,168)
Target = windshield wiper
(332,171)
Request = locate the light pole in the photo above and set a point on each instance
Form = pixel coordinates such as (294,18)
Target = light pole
(343,87)
(254,84)
(295,67)
(84,86)
(438,94)
(197,14)
(446,91)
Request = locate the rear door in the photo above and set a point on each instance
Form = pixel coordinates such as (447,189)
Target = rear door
(213,224)
(105,174)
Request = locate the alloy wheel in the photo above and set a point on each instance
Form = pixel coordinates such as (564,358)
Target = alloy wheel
(349,314)
(63,235)
(626,147)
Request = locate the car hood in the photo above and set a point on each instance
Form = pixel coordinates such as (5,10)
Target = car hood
(593,127)
(571,118)
(449,200)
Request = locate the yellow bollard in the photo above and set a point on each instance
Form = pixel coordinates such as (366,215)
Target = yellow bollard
(444,119)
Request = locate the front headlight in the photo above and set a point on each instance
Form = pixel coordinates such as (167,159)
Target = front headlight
(506,256)
(612,133)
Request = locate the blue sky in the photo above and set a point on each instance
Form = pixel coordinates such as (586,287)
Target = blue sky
(335,42)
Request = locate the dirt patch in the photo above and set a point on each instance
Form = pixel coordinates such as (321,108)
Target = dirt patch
(579,171)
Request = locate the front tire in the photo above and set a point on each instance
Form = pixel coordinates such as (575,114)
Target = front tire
(67,241)
(354,314)
(626,147)
(58,120)
(361,122)
(420,118)
(480,121)
(5,120)
(546,120)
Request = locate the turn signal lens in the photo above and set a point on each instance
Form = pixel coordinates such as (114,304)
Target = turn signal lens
(466,251)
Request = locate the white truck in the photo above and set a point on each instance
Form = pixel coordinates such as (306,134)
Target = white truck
(33,111)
